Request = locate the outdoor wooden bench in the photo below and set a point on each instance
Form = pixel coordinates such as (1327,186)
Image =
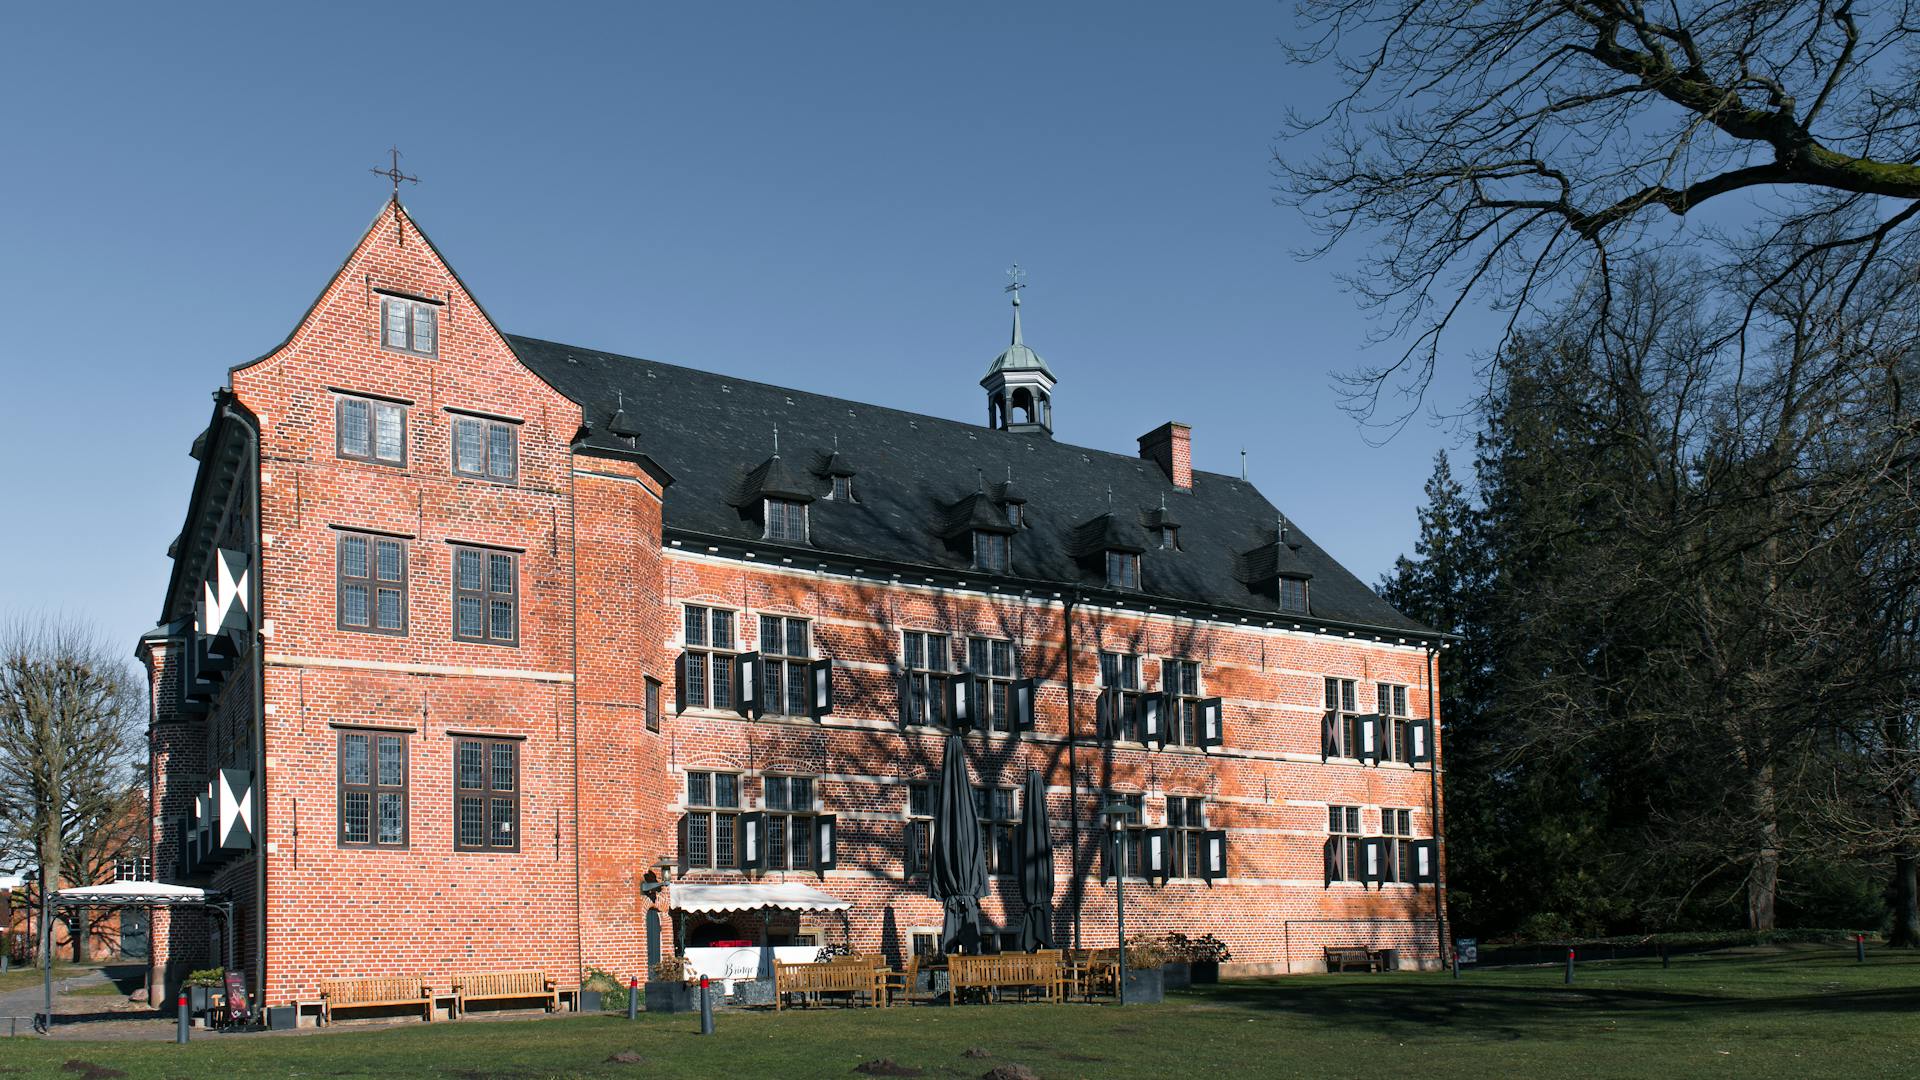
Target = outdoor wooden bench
(384,992)
(864,977)
(1338,959)
(506,986)
(1006,970)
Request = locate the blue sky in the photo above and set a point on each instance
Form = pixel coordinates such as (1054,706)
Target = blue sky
(824,196)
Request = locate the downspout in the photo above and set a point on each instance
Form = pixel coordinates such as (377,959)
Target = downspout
(1433,813)
(573,575)
(255,591)
(1073,769)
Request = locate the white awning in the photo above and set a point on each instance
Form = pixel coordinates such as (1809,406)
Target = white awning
(10,883)
(135,894)
(783,896)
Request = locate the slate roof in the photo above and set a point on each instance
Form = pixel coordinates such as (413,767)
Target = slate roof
(714,435)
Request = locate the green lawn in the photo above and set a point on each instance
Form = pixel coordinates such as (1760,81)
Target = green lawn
(1796,1013)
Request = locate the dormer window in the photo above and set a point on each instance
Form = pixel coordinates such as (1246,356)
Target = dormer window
(786,520)
(1169,538)
(1123,570)
(842,489)
(410,326)
(1293,595)
(992,551)
(1013,514)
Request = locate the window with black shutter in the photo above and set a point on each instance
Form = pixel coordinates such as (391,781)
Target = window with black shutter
(409,326)
(372,789)
(1187,821)
(1180,679)
(1343,833)
(784,659)
(1397,827)
(486,794)
(1123,703)
(1391,700)
(1343,711)
(990,663)
(927,659)
(711,831)
(919,831)
(1132,831)
(789,822)
(706,668)
(998,824)
(369,429)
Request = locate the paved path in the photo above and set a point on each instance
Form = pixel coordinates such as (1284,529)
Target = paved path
(30,1000)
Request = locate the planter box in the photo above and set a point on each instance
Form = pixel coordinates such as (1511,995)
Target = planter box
(670,997)
(1176,975)
(753,992)
(283,1017)
(1205,972)
(1144,987)
(199,999)
(590,1001)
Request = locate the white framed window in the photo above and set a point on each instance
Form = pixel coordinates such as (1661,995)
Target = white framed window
(784,656)
(486,449)
(928,660)
(706,672)
(1343,844)
(786,520)
(990,661)
(790,834)
(369,429)
(711,833)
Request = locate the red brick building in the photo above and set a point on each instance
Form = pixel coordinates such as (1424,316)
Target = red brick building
(477,646)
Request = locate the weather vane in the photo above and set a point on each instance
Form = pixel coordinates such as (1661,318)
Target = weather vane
(1014,280)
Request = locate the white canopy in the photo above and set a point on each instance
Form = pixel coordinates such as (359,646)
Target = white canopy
(135,894)
(7,883)
(784,896)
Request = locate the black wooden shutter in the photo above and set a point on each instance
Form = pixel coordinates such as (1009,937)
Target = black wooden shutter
(1373,860)
(820,683)
(1330,855)
(826,837)
(1329,735)
(685,863)
(958,690)
(1426,862)
(1213,854)
(1153,718)
(1103,715)
(746,683)
(1213,729)
(1023,704)
(1370,739)
(680,684)
(976,696)
(1421,732)
(753,841)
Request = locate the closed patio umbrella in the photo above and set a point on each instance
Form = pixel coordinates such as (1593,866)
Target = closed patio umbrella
(959,877)
(1036,867)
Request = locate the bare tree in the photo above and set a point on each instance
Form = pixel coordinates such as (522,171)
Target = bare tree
(1514,150)
(70,720)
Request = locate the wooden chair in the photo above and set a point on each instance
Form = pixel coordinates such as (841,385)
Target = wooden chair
(904,983)
(376,993)
(505,986)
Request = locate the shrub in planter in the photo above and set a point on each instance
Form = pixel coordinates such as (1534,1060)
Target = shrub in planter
(600,991)
(200,986)
(1205,954)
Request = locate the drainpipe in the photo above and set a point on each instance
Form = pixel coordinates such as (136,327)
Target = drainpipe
(1433,812)
(1073,768)
(249,426)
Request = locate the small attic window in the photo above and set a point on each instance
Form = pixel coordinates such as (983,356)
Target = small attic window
(1169,538)
(1123,570)
(842,489)
(1014,514)
(992,551)
(786,520)
(1293,595)
(410,326)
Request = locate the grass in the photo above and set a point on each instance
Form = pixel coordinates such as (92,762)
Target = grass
(1785,1013)
(19,978)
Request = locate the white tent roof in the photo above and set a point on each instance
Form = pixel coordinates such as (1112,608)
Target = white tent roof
(133,893)
(785,896)
(7,882)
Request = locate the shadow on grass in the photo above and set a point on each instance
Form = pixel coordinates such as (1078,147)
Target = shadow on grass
(1514,1005)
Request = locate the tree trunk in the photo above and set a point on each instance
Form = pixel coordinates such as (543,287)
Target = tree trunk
(81,927)
(1904,898)
(1763,878)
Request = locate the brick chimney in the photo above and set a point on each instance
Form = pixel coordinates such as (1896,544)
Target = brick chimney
(1171,447)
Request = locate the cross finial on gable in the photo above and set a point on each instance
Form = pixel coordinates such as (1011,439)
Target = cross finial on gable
(393,173)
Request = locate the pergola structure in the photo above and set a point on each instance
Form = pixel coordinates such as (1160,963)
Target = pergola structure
(131,894)
(764,897)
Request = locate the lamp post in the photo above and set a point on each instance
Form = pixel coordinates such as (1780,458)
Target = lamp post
(1116,814)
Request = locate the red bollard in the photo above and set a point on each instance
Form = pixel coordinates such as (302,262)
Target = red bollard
(1860,948)
(633,998)
(1569,967)
(180,1014)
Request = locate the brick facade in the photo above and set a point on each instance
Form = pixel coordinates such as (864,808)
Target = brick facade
(600,595)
